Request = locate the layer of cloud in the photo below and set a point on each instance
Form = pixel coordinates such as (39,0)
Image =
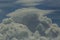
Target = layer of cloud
(29,2)
(29,10)
(42,4)
(47,3)
(10,5)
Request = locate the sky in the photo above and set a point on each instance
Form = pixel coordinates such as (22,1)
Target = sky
(29,19)
(8,6)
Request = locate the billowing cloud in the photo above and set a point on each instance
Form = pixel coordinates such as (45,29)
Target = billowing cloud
(35,20)
(28,16)
(29,21)
(13,31)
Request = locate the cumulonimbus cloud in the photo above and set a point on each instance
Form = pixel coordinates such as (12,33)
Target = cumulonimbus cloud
(28,16)
(28,23)
(22,22)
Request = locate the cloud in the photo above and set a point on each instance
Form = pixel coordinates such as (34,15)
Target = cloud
(17,31)
(7,20)
(28,16)
(29,10)
(42,26)
(13,31)
(1,11)
(34,19)
(29,2)
(6,6)
(43,3)
(16,3)
(27,23)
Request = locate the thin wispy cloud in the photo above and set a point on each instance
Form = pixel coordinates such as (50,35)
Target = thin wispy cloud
(29,2)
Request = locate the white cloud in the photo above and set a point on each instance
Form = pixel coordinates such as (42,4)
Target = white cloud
(7,20)
(29,2)
(25,15)
(31,10)
(50,3)
(10,30)
(12,3)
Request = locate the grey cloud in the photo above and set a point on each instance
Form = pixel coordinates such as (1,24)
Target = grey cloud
(11,30)
(28,16)
(7,20)
(29,2)
(35,20)
(28,23)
